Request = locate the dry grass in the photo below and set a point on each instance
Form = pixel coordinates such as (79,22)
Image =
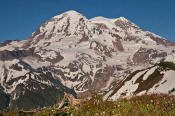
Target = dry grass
(145,105)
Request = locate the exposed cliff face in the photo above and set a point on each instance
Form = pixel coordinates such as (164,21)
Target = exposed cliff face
(70,51)
(144,55)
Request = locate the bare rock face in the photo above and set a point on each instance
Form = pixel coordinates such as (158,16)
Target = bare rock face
(141,56)
(125,23)
(144,55)
(16,54)
(70,52)
(160,40)
(117,44)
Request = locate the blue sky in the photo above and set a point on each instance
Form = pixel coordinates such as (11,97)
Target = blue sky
(19,18)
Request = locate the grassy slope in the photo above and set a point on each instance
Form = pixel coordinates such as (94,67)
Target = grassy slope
(145,105)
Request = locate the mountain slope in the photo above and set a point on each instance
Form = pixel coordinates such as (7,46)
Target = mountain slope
(71,51)
(159,78)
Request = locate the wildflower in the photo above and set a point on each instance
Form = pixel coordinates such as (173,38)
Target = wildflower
(152,101)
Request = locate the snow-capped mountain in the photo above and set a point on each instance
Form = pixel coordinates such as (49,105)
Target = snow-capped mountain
(71,51)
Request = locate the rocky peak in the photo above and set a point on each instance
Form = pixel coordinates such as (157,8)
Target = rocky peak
(123,19)
(125,23)
(70,23)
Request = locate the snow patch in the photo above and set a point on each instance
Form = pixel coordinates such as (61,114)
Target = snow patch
(129,87)
(149,72)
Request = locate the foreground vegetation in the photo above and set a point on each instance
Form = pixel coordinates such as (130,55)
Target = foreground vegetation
(145,105)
